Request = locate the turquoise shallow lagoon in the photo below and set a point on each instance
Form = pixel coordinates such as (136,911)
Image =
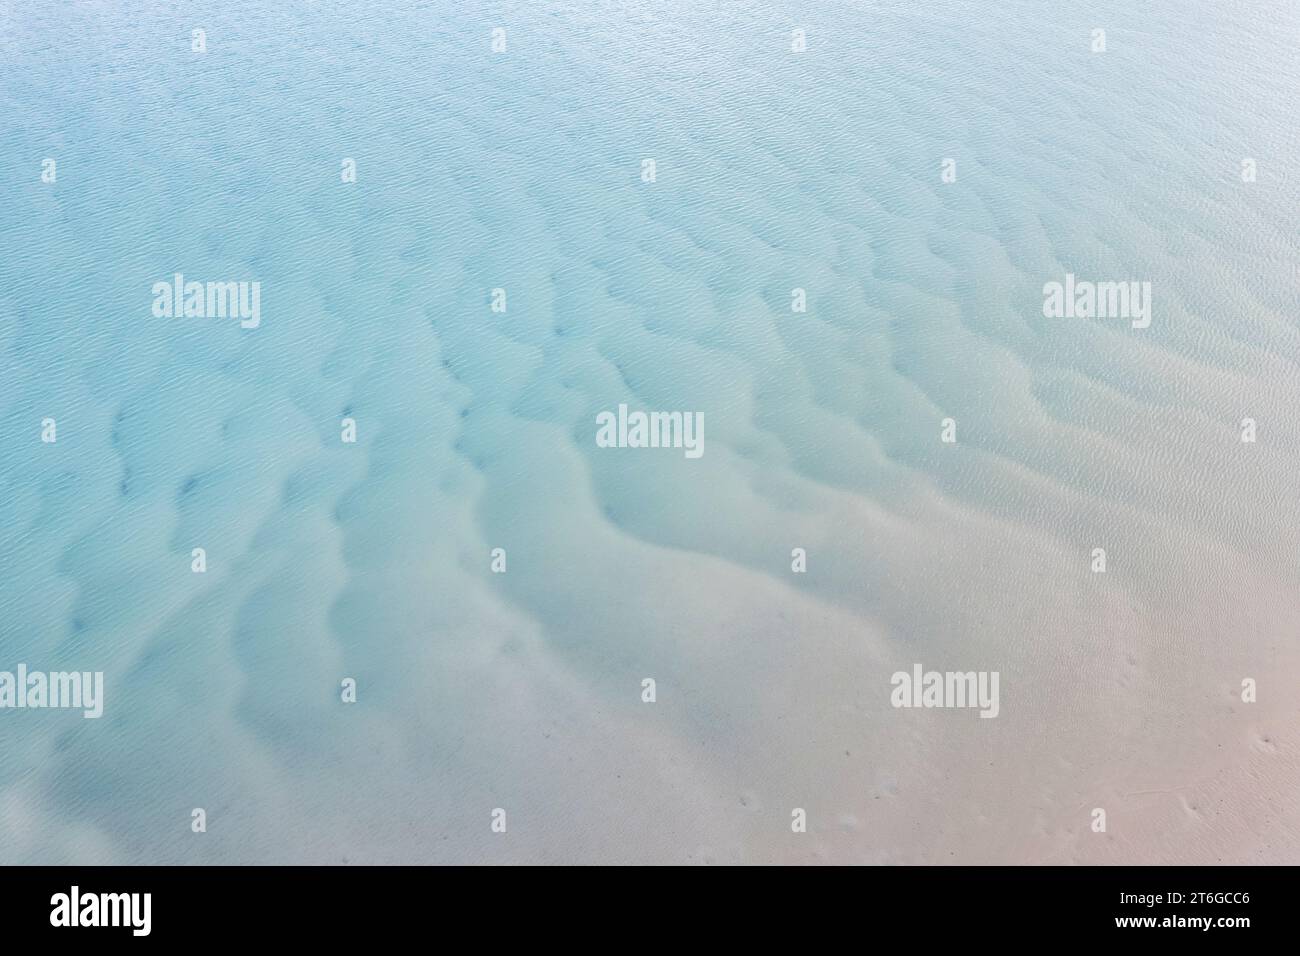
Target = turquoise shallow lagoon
(775,170)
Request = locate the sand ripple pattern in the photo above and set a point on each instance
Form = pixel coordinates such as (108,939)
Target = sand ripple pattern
(818,171)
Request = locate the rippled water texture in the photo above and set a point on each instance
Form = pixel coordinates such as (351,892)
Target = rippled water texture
(775,170)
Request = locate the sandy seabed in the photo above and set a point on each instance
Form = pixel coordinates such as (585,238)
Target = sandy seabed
(476,430)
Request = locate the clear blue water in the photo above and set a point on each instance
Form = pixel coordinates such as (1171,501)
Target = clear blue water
(522,170)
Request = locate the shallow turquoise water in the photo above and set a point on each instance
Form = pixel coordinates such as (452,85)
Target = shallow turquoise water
(522,170)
